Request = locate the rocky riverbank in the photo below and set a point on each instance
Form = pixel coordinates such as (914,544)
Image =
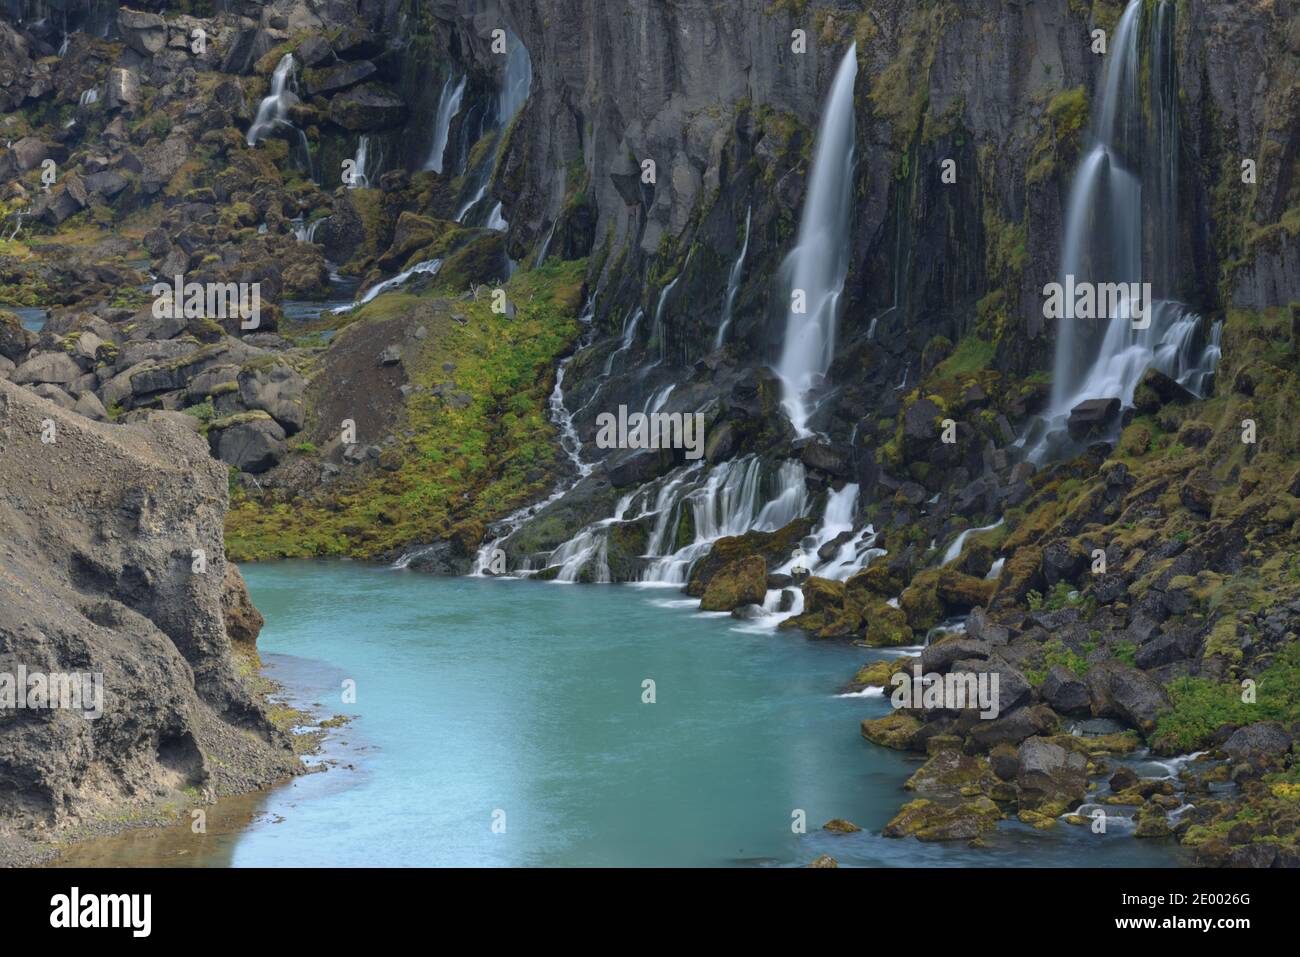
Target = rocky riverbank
(619,188)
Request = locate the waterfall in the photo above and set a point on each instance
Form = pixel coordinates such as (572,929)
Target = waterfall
(448,108)
(305,232)
(89,97)
(657,331)
(1121,227)
(496,220)
(360,160)
(819,262)
(570,442)
(629,336)
(954,550)
(517,81)
(273,111)
(733,285)
(430,266)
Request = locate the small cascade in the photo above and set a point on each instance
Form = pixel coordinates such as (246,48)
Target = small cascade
(89,97)
(733,285)
(954,550)
(629,336)
(496,220)
(819,263)
(569,441)
(1121,228)
(429,266)
(361,162)
(305,232)
(448,109)
(473,201)
(273,111)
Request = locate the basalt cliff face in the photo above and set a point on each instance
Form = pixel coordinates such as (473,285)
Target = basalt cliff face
(650,187)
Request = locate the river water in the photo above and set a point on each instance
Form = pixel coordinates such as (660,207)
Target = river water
(519,703)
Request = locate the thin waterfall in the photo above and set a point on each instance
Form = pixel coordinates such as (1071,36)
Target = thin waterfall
(448,108)
(733,285)
(1121,227)
(361,162)
(570,442)
(819,262)
(516,82)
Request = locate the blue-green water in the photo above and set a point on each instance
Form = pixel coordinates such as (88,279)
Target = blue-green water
(475,696)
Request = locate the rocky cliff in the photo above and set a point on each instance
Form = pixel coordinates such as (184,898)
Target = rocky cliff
(102,526)
(632,176)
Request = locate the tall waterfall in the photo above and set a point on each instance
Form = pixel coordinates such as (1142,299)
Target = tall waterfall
(820,261)
(1121,227)
(448,107)
(517,81)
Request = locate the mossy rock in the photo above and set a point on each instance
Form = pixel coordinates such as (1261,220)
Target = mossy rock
(741,582)
(897,731)
(774,547)
(931,821)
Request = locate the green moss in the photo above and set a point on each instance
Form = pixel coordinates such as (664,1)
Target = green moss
(458,467)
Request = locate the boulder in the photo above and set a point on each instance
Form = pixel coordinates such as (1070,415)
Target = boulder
(1065,691)
(338,77)
(252,442)
(1119,691)
(88,404)
(123,88)
(1260,744)
(1050,777)
(368,107)
(1093,417)
(930,821)
(145,33)
(278,391)
(56,367)
(742,582)
(14,339)
(1015,727)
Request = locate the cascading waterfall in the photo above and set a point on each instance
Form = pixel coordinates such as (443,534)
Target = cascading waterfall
(448,108)
(733,285)
(569,441)
(1126,181)
(361,162)
(430,266)
(819,263)
(273,111)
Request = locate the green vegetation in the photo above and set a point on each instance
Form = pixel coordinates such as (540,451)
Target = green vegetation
(457,467)
(1200,707)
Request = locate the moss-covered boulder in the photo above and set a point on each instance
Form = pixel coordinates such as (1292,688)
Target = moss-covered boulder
(897,730)
(930,821)
(741,582)
(774,547)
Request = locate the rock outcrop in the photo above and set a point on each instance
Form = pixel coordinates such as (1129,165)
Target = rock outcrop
(111,564)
